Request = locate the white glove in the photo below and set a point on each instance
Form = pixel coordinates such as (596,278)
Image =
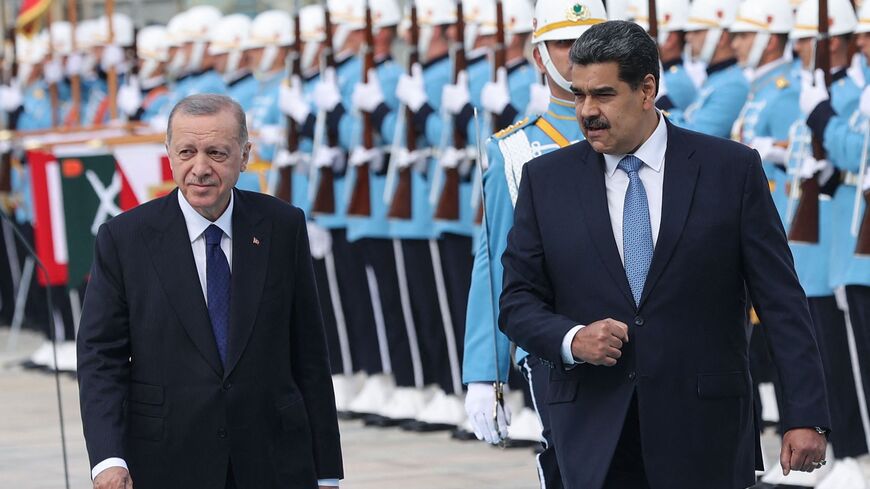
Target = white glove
(455,96)
(812,94)
(479,405)
(10,97)
(74,63)
(271,134)
(292,101)
(865,102)
(865,183)
(768,150)
(451,157)
(403,158)
(367,96)
(496,95)
(130,96)
(319,240)
(539,99)
(663,87)
(362,155)
(410,90)
(810,166)
(326,92)
(159,123)
(327,157)
(52,71)
(113,55)
(856,70)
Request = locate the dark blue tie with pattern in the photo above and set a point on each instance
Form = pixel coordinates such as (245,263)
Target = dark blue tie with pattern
(217,278)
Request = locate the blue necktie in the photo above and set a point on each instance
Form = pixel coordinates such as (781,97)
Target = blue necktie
(217,278)
(637,242)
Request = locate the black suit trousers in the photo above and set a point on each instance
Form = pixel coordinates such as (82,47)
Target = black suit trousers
(626,467)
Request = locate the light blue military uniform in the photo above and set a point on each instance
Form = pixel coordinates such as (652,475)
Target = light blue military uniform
(681,89)
(154,101)
(501,181)
(208,81)
(718,102)
(817,263)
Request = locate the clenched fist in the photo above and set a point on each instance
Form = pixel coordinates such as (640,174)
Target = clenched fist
(113,478)
(600,343)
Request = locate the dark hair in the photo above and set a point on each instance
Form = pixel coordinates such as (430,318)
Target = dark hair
(210,104)
(625,43)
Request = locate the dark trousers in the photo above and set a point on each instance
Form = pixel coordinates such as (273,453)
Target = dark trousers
(538,376)
(847,437)
(858,297)
(456,264)
(627,468)
(231,481)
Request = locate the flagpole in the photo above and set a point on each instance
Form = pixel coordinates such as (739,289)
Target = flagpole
(75,81)
(113,73)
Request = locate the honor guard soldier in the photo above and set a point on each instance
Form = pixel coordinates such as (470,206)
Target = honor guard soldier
(109,46)
(672,18)
(227,44)
(724,91)
(198,23)
(146,94)
(557,24)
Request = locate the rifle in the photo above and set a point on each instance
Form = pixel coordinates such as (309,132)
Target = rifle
(653,21)
(862,245)
(805,225)
(54,96)
(113,72)
(499,51)
(448,203)
(324,198)
(294,67)
(361,200)
(400,206)
(9,73)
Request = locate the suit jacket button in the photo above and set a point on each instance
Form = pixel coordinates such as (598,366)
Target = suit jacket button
(227,385)
(632,376)
(638,320)
(222,433)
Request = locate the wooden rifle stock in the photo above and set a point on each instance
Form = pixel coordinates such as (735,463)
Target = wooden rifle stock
(653,20)
(862,247)
(805,224)
(11,117)
(285,174)
(361,198)
(499,53)
(402,203)
(448,203)
(324,198)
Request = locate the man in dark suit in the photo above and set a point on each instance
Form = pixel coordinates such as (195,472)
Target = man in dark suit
(629,268)
(202,358)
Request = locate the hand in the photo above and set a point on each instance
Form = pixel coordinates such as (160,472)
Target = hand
(496,95)
(113,55)
(455,96)
(801,448)
(367,96)
(271,134)
(74,64)
(113,478)
(479,406)
(600,343)
(769,150)
(10,97)
(410,90)
(319,240)
(811,166)
(856,70)
(663,88)
(292,102)
(813,91)
(865,102)
(539,99)
(130,97)
(52,71)
(326,92)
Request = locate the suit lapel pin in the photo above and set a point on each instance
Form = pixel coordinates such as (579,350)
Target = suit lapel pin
(256,241)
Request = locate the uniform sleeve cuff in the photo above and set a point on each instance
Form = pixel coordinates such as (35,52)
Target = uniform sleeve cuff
(568,359)
(327,482)
(108,464)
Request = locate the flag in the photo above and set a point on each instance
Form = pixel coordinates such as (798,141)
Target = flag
(30,16)
(49,228)
(145,169)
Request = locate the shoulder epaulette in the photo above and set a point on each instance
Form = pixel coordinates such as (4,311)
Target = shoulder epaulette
(513,128)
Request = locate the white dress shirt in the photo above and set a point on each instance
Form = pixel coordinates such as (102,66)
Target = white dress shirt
(196,226)
(652,174)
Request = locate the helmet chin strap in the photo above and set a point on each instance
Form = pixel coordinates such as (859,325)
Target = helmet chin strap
(148,68)
(710,43)
(308,54)
(471,32)
(234,57)
(757,49)
(270,52)
(196,55)
(341,34)
(551,68)
(426,33)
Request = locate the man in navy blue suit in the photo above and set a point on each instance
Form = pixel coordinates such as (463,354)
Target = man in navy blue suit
(630,266)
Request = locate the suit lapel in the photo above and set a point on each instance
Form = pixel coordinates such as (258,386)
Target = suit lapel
(173,258)
(596,215)
(681,175)
(250,260)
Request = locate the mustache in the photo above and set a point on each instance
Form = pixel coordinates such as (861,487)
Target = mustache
(200,181)
(595,123)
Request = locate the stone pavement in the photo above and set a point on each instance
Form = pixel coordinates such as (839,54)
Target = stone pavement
(30,453)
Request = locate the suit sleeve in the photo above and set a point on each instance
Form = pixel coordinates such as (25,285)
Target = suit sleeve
(103,348)
(527,301)
(781,304)
(310,364)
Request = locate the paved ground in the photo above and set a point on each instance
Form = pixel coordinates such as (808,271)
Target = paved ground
(30,453)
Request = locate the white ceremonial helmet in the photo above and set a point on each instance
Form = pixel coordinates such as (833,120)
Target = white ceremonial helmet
(863,18)
(517,16)
(270,30)
(436,12)
(841,19)
(765,18)
(673,15)
(312,32)
(229,37)
(152,47)
(713,16)
(30,52)
(175,30)
(199,21)
(559,20)
(351,13)
(86,35)
(61,37)
(122,30)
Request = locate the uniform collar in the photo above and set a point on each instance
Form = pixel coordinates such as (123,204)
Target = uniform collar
(721,66)
(561,109)
(197,224)
(516,64)
(670,64)
(651,152)
(770,69)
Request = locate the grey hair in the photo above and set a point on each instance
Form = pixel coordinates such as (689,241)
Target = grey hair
(622,42)
(210,104)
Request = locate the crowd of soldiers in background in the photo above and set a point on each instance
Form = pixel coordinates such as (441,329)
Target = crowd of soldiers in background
(391,126)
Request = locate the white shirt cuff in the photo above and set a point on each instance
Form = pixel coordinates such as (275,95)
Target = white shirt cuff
(107,464)
(327,482)
(568,359)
